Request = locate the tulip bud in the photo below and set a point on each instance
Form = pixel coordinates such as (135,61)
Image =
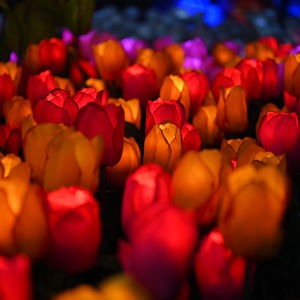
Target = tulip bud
(163,145)
(270,81)
(159,111)
(249,194)
(259,50)
(74,224)
(142,195)
(176,54)
(110,59)
(7,89)
(39,86)
(205,122)
(194,182)
(232,111)
(52,54)
(130,160)
(222,54)
(291,102)
(198,86)
(16,110)
(175,88)
(15,278)
(229,77)
(10,139)
(107,120)
(139,82)
(292,74)
(220,274)
(190,138)
(278,132)
(32,58)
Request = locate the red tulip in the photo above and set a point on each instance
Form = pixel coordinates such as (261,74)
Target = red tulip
(57,107)
(226,78)
(87,95)
(291,102)
(191,139)
(15,278)
(198,85)
(94,119)
(270,41)
(159,257)
(220,274)
(159,111)
(148,188)
(10,139)
(139,82)
(270,81)
(7,89)
(81,70)
(40,85)
(52,54)
(278,132)
(74,225)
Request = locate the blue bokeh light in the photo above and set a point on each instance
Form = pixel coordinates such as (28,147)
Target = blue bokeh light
(294,9)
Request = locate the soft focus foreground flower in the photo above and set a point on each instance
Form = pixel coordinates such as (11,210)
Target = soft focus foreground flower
(175,88)
(23,220)
(16,110)
(110,59)
(195,180)
(39,86)
(130,160)
(159,111)
(248,196)
(220,274)
(74,225)
(160,255)
(163,145)
(292,74)
(56,107)
(15,278)
(191,139)
(278,132)
(139,82)
(198,86)
(81,292)
(232,112)
(52,54)
(148,188)
(132,110)
(205,122)
(107,120)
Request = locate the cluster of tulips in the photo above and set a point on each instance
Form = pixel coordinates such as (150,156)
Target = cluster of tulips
(199,143)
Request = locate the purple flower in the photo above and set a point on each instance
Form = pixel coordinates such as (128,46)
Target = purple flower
(132,47)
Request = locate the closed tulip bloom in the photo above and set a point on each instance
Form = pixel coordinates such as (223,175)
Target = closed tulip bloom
(175,88)
(195,179)
(249,195)
(259,50)
(229,77)
(191,139)
(159,256)
(270,81)
(15,278)
(148,188)
(176,53)
(198,86)
(270,41)
(163,145)
(56,107)
(53,54)
(130,160)
(80,70)
(159,111)
(292,74)
(139,82)
(16,110)
(39,86)
(107,120)
(24,225)
(32,58)
(278,132)
(7,89)
(223,55)
(75,229)
(220,274)
(87,95)
(205,122)
(232,110)
(110,59)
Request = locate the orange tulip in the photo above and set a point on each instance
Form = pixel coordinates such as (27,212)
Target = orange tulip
(65,84)
(259,50)
(163,145)
(130,160)
(95,83)
(110,59)
(81,292)
(12,70)
(205,122)
(223,55)
(32,59)
(248,197)
(292,74)
(232,110)
(195,180)
(176,53)
(175,88)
